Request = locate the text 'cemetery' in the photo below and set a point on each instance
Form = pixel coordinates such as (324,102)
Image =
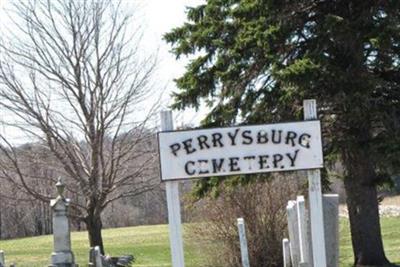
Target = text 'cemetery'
(237,150)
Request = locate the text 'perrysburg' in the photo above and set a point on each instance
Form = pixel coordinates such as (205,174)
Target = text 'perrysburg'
(239,150)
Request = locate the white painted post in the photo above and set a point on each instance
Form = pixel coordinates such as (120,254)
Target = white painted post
(243,243)
(174,208)
(302,225)
(2,261)
(315,197)
(286,252)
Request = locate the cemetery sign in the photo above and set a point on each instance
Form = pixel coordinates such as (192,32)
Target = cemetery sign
(239,150)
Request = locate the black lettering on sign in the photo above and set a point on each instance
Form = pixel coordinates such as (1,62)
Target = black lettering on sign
(304,140)
(187,145)
(175,147)
(233,164)
(292,158)
(216,140)
(233,136)
(276,138)
(247,139)
(187,170)
(262,161)
(290,137)
(249,160)
(262,137)
(277,158)
(203,163)
(202,139)
(217,165)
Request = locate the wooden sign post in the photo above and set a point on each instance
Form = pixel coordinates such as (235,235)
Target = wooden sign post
(315,198)
(174,206)
(242,150)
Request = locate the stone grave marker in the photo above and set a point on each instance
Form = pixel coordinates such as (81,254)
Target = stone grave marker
(286,252)
(2,261)
(299,228)
(243,242)
(62,255)
(331,219)
(293,230)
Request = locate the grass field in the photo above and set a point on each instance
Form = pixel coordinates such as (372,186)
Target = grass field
(391,240)
(149,244)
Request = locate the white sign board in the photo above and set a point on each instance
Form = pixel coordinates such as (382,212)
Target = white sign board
(240,150)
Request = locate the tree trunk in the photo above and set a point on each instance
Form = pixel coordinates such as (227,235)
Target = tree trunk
(363,208)
(94,227)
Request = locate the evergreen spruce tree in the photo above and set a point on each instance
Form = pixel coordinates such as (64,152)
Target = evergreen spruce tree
(254,61)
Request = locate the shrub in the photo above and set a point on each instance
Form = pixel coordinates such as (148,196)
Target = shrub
(263,206)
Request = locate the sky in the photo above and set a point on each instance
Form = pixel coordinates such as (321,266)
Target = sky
(160,17)
(157,17)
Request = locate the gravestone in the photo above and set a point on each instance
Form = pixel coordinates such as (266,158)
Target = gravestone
(62,255)
(303,231)
(331,219)
(286,252)
(299,229)
(243,242)
(95,257)
(293,230)
(309,241)
(331,229)
(2,261)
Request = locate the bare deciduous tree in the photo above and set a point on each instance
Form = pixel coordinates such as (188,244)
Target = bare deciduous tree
(72,77)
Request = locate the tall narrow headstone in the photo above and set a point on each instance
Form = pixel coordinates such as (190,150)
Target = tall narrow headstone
(331,219)
(91,257)
(303,231)
(2,261)
(286,252)
(95,257)
(331,229)
(293,230)
(310,252)
(243,243)
(62,255)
